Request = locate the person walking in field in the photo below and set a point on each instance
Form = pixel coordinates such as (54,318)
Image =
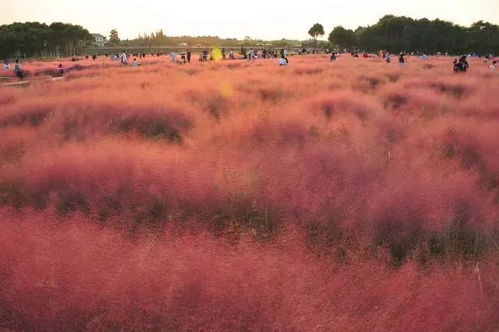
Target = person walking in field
(60,70)
(173,56)
(493,65)
(401,59)
(333,56)
(188,56)
(6,65)
(124,59)
(18,70)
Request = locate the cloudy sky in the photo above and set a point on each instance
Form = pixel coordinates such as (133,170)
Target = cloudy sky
(266,19)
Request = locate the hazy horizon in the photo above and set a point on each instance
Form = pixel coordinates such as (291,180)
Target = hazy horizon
(227,19)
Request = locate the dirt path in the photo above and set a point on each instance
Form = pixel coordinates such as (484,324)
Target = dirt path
(26,82)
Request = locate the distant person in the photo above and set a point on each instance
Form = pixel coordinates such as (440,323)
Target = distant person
(124,58)
(94,57)
(60,70)
(493,65)
(387,58)
(231,54)
(333,56)
(401,59)
(189,56)
(283,61)
(135,63)
(461,65)
(18,70)
(173,56)
(6,65)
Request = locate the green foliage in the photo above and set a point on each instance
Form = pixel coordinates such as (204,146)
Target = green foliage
(159,39)
(114,38)
(483,37)
(39,39)
(392,33)
(342,37)
(404,34)
(316,30)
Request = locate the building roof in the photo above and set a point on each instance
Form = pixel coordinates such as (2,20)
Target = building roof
(95,35)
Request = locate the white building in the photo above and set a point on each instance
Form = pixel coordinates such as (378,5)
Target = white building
(99,40)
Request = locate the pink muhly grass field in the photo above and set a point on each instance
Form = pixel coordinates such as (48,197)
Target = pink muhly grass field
(234,195)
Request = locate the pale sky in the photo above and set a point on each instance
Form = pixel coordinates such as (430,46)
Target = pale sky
(264,19)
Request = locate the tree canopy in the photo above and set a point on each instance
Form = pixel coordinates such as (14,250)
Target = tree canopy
(114,38)
(316,30)
(159,38)
(39,39)
(342,37)
(400,33)
(391,33)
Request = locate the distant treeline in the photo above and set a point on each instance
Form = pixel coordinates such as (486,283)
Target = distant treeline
(160,39)
(400,33)
(39,39)
(391,33)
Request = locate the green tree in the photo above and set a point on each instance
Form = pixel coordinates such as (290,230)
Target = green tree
(483,37)
(316,30)
(342,37)
(114,38)
(399,33)
(32,39)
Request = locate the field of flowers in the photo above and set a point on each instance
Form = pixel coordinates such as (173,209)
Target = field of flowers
(236,195)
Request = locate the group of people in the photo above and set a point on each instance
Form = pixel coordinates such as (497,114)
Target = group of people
(253,54)
(459,64)
(211,54)
(17,67)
